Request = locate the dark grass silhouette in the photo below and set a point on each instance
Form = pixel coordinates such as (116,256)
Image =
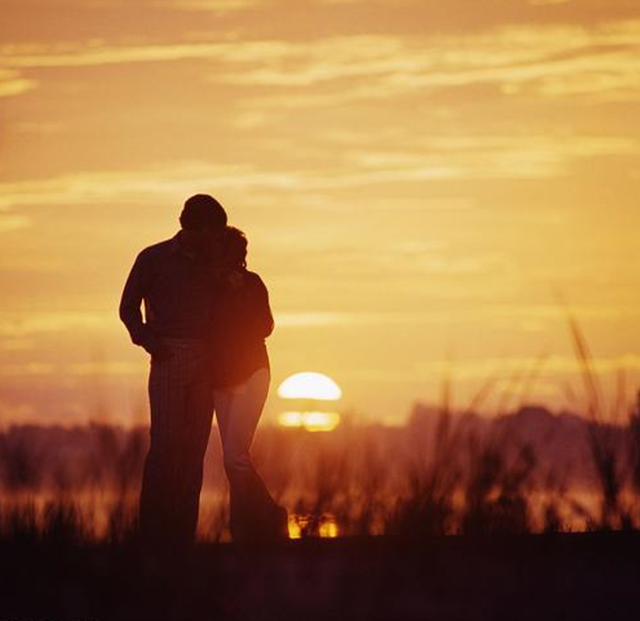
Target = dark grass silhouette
(450,476)
(53,564)
(450,517)
(608,459)
(457,543)
(563,576)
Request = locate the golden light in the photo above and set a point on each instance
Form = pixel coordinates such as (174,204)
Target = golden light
(329,528)
(303,391)
(310,385)
(311,421)
(295,532)
(327,525)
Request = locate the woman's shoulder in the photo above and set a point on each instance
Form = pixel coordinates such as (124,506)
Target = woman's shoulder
(254,278)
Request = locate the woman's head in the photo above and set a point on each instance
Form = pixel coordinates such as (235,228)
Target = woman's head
(234,247)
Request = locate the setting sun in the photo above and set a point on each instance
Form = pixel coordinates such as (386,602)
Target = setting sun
(302,391)
(310,385)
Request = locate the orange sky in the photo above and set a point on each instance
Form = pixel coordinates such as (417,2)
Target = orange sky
(416,179)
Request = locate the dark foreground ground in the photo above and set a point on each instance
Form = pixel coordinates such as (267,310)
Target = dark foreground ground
(538,577)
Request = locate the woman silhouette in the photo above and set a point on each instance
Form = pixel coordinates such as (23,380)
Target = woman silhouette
(241,376)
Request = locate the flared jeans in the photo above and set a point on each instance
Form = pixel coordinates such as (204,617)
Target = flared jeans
(253,513)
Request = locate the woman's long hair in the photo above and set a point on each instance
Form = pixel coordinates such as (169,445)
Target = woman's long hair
(234,245)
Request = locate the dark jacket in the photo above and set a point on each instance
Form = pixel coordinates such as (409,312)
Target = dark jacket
(177,294)
(241,320)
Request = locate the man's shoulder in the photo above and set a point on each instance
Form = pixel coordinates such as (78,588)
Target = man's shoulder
(158,249)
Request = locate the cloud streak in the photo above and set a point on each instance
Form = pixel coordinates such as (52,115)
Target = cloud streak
(420,160)
(479,313)
(13,84)
(599,63)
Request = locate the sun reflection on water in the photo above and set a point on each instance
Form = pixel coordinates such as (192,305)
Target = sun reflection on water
(310,420)
(305,525)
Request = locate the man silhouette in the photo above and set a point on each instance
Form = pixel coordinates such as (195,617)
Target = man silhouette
(173,279)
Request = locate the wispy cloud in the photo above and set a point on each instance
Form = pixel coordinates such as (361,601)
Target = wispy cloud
(482,157)
(12,83)
(12,222)
(599,63)
(548,2)
(478,313)
(105,368)
(96,53)
(419,160)
(555,364)
(218,7)
(18,369)
(20,325)
(180,178)
(17,325)
(554,61)
(556,369)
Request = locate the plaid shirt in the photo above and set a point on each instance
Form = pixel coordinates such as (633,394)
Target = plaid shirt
(178,291)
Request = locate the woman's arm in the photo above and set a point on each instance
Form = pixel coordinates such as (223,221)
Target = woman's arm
(262,319)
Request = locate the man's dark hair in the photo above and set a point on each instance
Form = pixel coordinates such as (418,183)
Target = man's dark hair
(202,211)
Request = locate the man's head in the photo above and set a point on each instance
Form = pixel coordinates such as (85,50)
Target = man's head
(202,211)
(203,220)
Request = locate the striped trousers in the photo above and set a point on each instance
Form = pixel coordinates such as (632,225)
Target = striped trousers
(181,400)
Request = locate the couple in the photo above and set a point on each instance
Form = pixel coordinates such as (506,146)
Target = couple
(205,321)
